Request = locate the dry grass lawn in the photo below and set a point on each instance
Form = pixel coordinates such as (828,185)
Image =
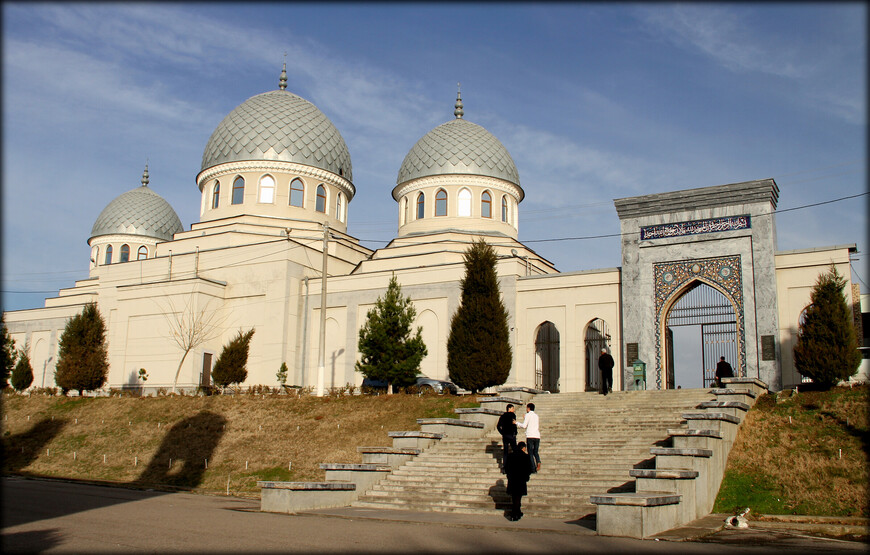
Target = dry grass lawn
(165,441)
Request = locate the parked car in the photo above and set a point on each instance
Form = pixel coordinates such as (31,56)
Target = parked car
(423,383)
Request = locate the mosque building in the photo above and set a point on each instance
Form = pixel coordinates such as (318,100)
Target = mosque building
(276,186)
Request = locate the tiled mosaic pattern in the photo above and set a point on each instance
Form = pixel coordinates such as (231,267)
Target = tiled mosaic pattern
(724,273)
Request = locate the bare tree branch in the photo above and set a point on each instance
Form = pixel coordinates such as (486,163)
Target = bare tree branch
(189,327)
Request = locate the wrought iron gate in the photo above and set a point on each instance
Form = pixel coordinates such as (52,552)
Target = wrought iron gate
(708,307)
(597,338)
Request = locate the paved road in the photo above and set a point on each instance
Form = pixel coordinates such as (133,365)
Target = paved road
(60,517)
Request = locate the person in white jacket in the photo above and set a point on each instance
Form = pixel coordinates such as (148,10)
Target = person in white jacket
(531,424)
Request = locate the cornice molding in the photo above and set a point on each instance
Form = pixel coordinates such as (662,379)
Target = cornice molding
(457,181)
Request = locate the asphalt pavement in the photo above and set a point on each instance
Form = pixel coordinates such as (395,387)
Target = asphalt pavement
(54,516)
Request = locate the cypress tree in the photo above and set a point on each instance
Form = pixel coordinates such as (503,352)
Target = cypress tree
(478,348)
(389,351)
(827,345)
(232,364)
(83,360)
(8,354)
(22,376)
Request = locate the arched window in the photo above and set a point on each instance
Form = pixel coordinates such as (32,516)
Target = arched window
(267,189)
(297,193)
(143,253)
(321,199)
(463,207)
(125,253)
(339,207)
(441,203)
(421,206)
(504,209)
(486,205)
(108,254)
(96,256)
(239,190)
(216,195)
(404,217)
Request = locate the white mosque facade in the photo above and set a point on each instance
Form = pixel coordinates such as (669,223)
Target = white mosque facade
(276,187)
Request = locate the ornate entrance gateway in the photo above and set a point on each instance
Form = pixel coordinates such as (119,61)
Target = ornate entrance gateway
(597,338)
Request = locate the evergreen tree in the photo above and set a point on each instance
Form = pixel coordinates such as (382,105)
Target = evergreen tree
(22,376)
(478,349)
(8,353)
(232,364)
(83,360)
(282,374)
(827,346)
(389,351)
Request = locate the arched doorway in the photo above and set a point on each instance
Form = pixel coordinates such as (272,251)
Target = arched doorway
(597,338)
(547,358)
(701,327)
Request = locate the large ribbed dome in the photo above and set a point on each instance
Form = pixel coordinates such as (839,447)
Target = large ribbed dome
(279,126)
(458,147)
(139,211)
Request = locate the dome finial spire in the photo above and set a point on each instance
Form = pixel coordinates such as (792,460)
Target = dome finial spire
(458,111)
(145,179)
(282,82)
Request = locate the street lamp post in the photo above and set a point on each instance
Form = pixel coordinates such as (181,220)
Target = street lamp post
(322,356)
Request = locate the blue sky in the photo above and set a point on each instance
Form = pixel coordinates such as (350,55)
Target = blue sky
(593,101)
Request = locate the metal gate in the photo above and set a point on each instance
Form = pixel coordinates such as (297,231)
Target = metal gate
(597,338)
(710,309)
(547,358)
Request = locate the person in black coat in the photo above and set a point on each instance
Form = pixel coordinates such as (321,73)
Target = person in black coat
(519,468)
(507,427)
(605,364)
(723,370)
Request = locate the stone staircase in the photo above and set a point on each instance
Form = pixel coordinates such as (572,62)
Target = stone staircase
(589,444)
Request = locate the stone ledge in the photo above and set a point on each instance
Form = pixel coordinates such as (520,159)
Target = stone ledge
(490,412)
(665,474)
(754,381)
(647,499)
(695,433)
(450,422)
(522,389)
(390,450)
(424,435)
(356,467)
(684,452)
(710,416)
(309,486)
(511,400)
(723,405)
(729,391)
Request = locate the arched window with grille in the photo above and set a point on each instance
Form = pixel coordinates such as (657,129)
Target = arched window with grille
(321,199)
(143,253)
(486,205)
(108,254)
(125,253)
(267,189)
(463,203)
(239,190)
(339,207)
(504,209)
(216,195)
(297,193)
(421,206)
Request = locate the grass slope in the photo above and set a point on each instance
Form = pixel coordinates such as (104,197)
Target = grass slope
(805,454)
(165,441)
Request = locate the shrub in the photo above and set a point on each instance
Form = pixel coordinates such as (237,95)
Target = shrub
(8,355)
(827,345)
(231,365)
(82,361)
(22,375)
(478,348)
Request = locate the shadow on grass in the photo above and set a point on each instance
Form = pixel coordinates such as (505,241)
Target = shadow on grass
(862,435)
(189,443)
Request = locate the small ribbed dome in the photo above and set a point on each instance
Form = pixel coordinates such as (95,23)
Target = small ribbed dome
(278,126)
(139,211)
(458,147)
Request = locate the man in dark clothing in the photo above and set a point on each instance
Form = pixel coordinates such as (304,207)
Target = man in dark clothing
(519,468)
(605,364)
(723,370)
(507,427)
